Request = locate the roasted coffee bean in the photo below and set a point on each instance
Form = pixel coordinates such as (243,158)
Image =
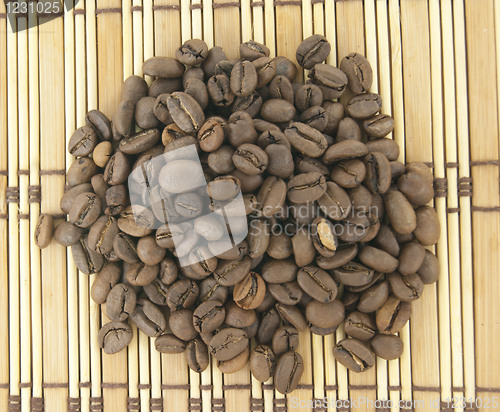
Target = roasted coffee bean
(262,363)
(345,253)
(378,259)
(266,70)
(105,280)
(85,209)
(44,230)
(169,344)
(293,315)
(289,370)
(332,81)
(102,234)
(360,326)
(83,141)
(116,200)
(387,241)
(220,161)
(387,347)
(364,105)
(348,129)
(388,147)
(156,291)
(219,90)
(308,95)
(315,49)
(210,136)
(134,88)
(149,318)
(373,298)
(306,139)
(304,164)
(353,274)
(86,260)
(192,52)
(230,272)
(325,315)
(117,169)
(140,274)
(281,88)
(215,55)
(378,173)
(287,293)
(185,111)
(335,202)
(407,288)
(280,246)
(279,271)
(182,294)
(181,324)
(285,67)
(397,169)
(429,270)
(102,153)
(161,86)
(286,338)
(114,336)
(81,171)
(197,355)
(317,283)
(210,289)
(277,110)
(250,159)
(67,234)
(136,224)
(228,343)
(238,317)
(235,364)
(209,316)
(258,238)
(348,173)
(358,71)
(144,113)
(271,196)
(252,50)
(243,78)
(410,258)
(140,142)
(249,292)
(160,109)
(347,149)
(70,195)
(168,271)
(223,188)
(354,355)
(120,302)
(280,160)
(165,67)
(306,187)
(428,229)
(324,237)
(250,104)
(123,120)
(378,126)
(315,117)
(393,315)
(303,248)
(100,123)
(241,131)
(400,212)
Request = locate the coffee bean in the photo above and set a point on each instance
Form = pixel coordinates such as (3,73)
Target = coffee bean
(157,291)
(243,78)
(241,131)
(100,123)
(407,288)
(182,294)
(250,159)
(67,234)
(281,88)
(286,338)
(192,52)
(81,171)
(354,355)
(317,283)
(250,104)
(134,88)
(237,317)
(114,336)
(360,326)
(252,50)
(400,212)
(323,237)
(83,141)
(210,136)
(102,153)
(257,238)
(308,95)
(124,117)
(358,71)
(165,67)
(332,81)
(388,147)
(378,259)
(169,176)
(219,90)
(235,364)
(429,270)
(85,209)
(410,258)
(289,370)
(266,70)
(277,110)
(140,274)
(169,344)
(306,187)
(306,139)
(228,343)
(117,169)
(364,105)
(303,249)
(262,363)
(70,195)
(325,315)
(280,160)
(197,355)
(387,347)
(149,318)
(86,260)
(347,149)
(293,315)
(373,298)
(105,280)
(314,49)
(287,293)
(378,126)
(209,316)
(102,234)
(140,142)
(428,229)
(136,224)
(44,230)
(120,302)
(345,253)
(249,292)
(393,315)
(185,111)
(353,274)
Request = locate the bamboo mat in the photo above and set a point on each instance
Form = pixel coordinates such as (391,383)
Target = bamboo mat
(437,66)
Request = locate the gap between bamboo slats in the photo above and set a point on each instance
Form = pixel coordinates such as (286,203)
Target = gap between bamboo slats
(4,282)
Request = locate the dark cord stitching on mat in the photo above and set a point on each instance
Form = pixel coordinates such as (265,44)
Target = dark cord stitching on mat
(453,209)
(34,194)
(4,173)
(14,403)
(74,404)
(176,387)
(136,8)
(194,404)
(4,216)
(426,388)
(37,404)
(206,387)
(224,5)
(317,1)
(287,3)
(84,385)
(240,387)
(142,386)
(96,404)
(108,10)
(440,187)
(55,385)
(166,7)
(451,164)
(12,194)
(25,385)
(218,404)
(196,6)
(79,11)
(111,385)
(485,163)
(23,172)
(156,404)
(23,216)
(256,404)
(257,4)
(50,172)
(485,208)
(133,404)
(464,186)
(319,403)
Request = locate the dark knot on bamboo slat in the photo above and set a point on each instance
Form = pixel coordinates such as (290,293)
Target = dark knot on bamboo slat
(279,405)
(196,6)
(34,194)
(166,7)
(256,404)
(440,187)
(156,404)
(74,404)
(37,405)
(96,404)
(136,8)
(218,404)
(14,403)
(133,404)
(194,404)
(12,194)
(464,186)
(224,5)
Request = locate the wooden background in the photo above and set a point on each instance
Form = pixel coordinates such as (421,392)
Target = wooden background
(437,66)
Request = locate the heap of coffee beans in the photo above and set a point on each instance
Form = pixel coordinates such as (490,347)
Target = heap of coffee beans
(337,227)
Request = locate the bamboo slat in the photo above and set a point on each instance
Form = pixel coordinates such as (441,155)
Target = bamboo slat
(428,58)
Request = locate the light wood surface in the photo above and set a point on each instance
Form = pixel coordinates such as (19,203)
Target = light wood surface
(437,67)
